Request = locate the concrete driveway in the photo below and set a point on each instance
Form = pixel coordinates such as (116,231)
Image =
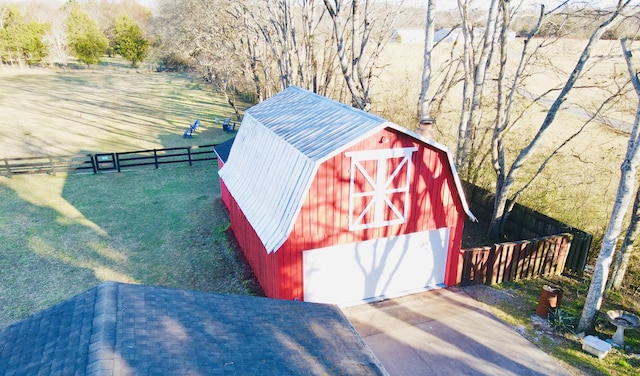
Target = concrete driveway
(446,332)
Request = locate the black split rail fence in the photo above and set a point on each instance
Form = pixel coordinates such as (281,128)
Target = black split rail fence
(106,162)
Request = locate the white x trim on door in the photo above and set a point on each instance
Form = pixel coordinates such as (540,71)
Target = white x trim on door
(379,187)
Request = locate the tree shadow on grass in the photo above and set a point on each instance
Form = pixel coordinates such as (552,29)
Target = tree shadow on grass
(168,225)
(42,260)
(65,234)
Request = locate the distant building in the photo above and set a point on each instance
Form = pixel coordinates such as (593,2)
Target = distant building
(408,36)
(447,35)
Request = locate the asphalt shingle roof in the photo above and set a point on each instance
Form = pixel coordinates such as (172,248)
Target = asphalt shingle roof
(122,329)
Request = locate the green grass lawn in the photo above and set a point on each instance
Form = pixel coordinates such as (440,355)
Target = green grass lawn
(60,235)
(64,234)
(516,302)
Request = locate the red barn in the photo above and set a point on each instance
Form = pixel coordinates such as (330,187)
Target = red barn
(335,205)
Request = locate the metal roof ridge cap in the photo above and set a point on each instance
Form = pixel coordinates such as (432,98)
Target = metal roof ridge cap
(338,103)
(418,136)
(249,118)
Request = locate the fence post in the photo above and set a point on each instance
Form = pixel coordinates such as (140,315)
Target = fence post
(189,154)
(548,256)
(155,157)
(585,243)
(53,170)
(117,161)
(6,163)
(466,267)
(489,277)
(93,163)
(565,247)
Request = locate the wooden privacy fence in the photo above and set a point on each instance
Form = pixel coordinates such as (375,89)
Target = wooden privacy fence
(105,162)
(526,223)
(514,261)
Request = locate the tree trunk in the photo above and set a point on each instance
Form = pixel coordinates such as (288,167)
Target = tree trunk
(467,63)
(596,288)
(424,102)
(343,52)
(359,38)
(621,261)
(502,122)
(628,171)
(499,205)
(479,76)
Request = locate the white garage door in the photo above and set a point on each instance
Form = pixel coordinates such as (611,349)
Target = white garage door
(348,274)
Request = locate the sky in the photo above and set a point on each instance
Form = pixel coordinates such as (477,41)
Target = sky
(440,4)
(451,4)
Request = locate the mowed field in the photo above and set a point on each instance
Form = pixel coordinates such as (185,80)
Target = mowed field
(106,108)
(61,235)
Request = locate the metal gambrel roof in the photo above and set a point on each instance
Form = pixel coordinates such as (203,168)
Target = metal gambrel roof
(278,149)
(316,126)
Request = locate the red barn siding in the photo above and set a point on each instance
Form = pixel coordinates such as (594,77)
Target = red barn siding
(225,196)
(279,273)
(324,217)
(262,264)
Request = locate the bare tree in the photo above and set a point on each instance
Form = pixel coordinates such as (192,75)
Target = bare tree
(361,30)
(279,33)
(484,124)
(55,38)
(255,61)
(507,177)
(475,76)
(621,261)
(505,102)
(628,171)
(290,36)
(424,102)
(202,33)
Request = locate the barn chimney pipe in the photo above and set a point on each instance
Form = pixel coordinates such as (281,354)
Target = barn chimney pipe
(426,128)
